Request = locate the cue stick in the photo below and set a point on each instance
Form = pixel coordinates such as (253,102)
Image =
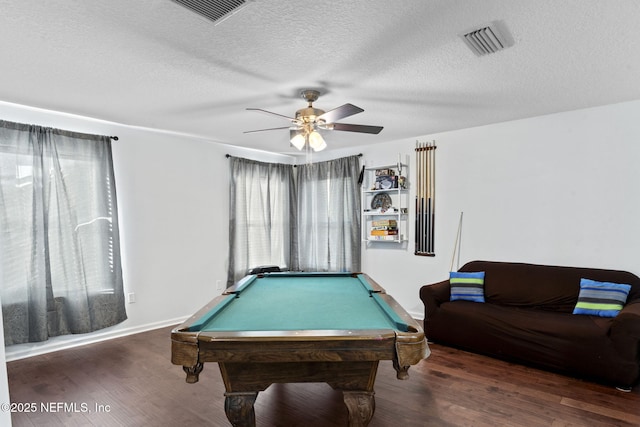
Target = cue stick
(422,224)
(433,221)
(422,194)
(456,244)
(425,219)
(428,171)
(431,196)
(428,197)
(417,196)
(423,189)
(417,225)
(430,219)
(420,180)
(418,193)
(428,237)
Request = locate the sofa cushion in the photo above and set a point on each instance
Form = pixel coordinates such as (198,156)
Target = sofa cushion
(467,286)
(604,299)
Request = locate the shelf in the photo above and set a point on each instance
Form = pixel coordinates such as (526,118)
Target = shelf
(384,241)
(393,166)
(388,190)
(383,213)
(398,199)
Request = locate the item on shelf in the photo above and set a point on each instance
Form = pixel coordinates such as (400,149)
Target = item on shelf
(381,201)
(384,223)
(385,172)
(384,232)
(383,238)
(386,182)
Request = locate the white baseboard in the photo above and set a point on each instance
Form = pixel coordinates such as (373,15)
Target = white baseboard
(22,351)
(417,315)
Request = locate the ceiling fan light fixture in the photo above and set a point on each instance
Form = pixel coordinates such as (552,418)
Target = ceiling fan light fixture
(298,140)
(316,141)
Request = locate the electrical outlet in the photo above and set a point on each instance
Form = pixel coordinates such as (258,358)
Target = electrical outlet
(218,285)
(131,297)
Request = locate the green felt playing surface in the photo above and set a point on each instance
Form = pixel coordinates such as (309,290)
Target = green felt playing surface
(302,302)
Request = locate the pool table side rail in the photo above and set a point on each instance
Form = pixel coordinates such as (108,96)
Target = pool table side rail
(409,347)
(184,341)
(264,351)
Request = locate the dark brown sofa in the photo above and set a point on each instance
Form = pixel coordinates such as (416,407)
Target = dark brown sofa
(527,318)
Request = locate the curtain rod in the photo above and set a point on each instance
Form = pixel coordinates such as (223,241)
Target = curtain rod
(24,127)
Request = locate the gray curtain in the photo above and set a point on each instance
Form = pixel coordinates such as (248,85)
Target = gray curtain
(260,212)
(60,265)
(327,231)
(302,218)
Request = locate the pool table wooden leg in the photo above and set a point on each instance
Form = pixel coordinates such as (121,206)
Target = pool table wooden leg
(239,408)
(402,372)
(193,372)
(361,406)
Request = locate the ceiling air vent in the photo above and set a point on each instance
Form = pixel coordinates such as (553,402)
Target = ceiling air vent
(486,40)
(215,10)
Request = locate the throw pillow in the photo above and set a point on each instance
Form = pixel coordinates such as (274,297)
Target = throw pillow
(467,286)
(601,299)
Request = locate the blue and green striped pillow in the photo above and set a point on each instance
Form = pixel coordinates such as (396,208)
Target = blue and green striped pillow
(467,286)
(602,299)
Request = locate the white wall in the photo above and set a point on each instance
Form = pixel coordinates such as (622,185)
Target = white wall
(559,189)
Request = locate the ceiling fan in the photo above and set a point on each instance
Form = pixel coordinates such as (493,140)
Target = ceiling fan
(308,121)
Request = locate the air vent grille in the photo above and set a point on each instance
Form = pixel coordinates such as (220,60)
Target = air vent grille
(485,40)
(214,10)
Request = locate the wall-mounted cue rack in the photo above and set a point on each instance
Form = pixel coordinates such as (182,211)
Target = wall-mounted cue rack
(425,197)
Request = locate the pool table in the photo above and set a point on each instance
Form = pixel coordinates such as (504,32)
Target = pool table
(299,327)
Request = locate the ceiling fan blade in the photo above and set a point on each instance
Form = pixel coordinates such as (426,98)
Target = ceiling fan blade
(272,113)
(341,112)
(262,130)
(356,128)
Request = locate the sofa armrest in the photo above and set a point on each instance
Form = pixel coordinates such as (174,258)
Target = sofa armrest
(434,295)
(625,330)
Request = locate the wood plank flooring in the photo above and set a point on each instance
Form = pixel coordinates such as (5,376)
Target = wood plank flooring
(130,381)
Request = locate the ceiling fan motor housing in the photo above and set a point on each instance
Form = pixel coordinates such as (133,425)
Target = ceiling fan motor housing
(309,114)
(310,95)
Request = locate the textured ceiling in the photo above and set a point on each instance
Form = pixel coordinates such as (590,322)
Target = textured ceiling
(156,64)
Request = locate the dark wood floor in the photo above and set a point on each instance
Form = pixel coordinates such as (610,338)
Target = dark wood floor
(131,382)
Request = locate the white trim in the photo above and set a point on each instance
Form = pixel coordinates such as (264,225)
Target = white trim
(22,351)
(419,316)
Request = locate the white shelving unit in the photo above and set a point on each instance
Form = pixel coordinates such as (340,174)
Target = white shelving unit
(387,201)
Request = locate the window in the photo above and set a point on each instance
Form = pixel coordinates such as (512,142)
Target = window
(59,248)
(260,218)
(298,218)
